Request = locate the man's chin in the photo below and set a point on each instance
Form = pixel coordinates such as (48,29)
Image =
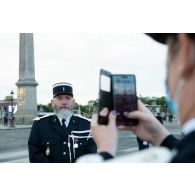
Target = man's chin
(65,113)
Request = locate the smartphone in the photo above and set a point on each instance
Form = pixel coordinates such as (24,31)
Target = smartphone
(124,97)
(105,95)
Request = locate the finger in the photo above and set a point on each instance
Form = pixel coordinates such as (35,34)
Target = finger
(104,112)
(142,107)
(112,118)
(136,115)
(94,120)
(121,127)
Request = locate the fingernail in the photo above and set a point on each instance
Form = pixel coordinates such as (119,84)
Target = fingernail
(104,112)
(126,114)
(113,112)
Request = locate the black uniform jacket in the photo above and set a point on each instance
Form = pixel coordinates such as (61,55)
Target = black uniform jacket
(185,148)
(49,142)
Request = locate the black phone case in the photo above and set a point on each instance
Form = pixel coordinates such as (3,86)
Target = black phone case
(105,99)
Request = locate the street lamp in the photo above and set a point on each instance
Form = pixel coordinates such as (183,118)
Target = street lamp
(12,109)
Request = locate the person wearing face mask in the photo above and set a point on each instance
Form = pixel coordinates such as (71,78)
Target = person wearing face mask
(180,84)
(61,137)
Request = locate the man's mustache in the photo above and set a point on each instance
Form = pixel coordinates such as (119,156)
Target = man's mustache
(65,107)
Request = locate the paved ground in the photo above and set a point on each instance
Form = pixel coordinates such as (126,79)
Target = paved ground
(13,142)
(128,142)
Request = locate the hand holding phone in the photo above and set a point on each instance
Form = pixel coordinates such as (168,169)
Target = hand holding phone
(117,92)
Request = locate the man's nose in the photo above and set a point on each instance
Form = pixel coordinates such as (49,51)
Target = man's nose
(64,101)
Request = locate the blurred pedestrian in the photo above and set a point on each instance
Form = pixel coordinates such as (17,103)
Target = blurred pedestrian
(170,118)
(5,120)
(159,118)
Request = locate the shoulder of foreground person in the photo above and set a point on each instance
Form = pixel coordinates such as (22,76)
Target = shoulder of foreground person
(152,155)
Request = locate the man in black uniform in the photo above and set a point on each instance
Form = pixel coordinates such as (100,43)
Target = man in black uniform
(61,137)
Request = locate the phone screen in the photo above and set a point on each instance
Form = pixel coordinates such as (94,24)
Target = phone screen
(105,95)
(124,98)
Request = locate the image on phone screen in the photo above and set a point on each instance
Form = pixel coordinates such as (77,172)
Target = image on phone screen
(124,98)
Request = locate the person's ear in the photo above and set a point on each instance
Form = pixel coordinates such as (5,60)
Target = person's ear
(51,102)
(187,47)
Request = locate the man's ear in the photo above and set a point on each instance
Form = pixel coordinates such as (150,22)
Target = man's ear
(51,102)
(188,55)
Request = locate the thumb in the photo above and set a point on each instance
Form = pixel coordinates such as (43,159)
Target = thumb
(94,120)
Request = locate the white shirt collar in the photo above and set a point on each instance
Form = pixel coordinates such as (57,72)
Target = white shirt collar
(189,126)
(67,120)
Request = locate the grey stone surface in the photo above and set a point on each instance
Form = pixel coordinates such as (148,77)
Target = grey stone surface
(26,91)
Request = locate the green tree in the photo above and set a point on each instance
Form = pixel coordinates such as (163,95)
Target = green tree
(8,98)
(145,100)
(45,108)
(162,101)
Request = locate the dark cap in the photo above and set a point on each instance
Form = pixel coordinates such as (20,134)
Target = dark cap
(62,89)
(160,37)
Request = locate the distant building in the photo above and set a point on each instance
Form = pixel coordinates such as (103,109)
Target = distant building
(154,108)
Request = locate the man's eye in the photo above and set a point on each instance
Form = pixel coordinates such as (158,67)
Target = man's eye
(60,97)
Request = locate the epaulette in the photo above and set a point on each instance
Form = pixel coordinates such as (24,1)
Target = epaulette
(79,116)
(39,118)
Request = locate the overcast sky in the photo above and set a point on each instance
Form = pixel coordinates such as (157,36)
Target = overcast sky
(77,58)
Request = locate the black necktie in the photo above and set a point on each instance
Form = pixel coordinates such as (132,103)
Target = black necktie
(63,123)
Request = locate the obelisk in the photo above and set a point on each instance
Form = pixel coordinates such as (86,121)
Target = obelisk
(26,85)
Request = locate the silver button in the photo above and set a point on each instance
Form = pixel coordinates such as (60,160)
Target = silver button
(75,145)
(64,142)
(64,153)
(80,143)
